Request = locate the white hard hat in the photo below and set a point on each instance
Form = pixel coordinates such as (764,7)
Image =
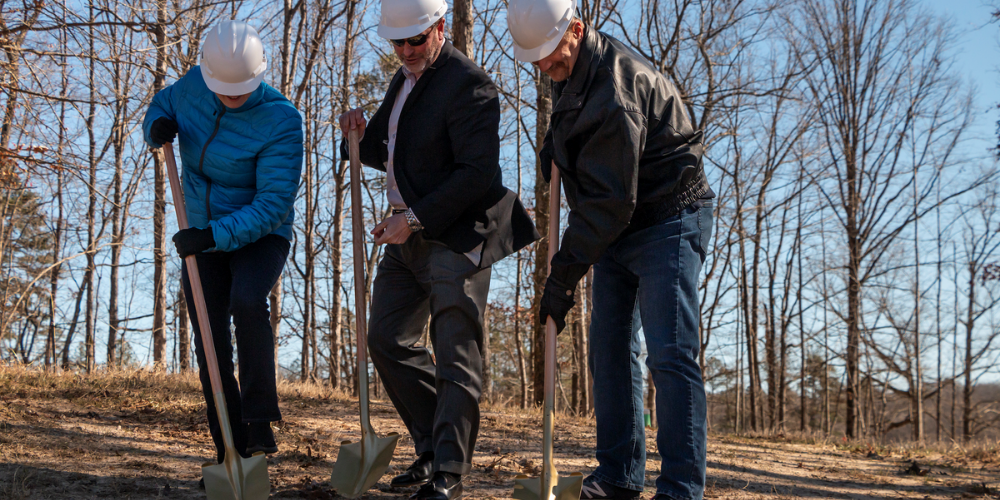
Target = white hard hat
(405,18)
(537,26)
(232,59)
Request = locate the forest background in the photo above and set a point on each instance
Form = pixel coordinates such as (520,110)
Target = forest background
(855,280)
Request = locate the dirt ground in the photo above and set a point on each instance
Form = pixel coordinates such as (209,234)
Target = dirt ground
(139,435)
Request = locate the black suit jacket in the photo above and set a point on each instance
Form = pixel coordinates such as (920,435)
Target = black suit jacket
(447,158)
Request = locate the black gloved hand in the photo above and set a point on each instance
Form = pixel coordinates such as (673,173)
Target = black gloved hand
(193,240)
(557,300)
(163,130)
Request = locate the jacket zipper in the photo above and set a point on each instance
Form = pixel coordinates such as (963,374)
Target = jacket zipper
(201,161)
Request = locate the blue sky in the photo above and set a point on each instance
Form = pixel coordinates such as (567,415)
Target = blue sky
(978,57)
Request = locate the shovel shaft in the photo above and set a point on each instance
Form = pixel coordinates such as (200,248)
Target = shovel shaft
(548,467)
(360,283)
(206,330)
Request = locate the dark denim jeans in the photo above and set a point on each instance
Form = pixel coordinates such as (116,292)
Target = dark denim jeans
(236,285)
(650,278)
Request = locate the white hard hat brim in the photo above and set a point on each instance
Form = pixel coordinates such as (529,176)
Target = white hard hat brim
(406,32)
(537,53)
(400,33)
(224,88)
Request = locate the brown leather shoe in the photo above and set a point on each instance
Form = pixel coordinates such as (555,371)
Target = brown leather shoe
(417,473)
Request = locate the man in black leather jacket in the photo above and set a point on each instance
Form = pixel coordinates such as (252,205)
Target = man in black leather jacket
(641,214)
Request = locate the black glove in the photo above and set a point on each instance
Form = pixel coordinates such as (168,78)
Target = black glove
(557,300)
(163,130)
(545,163)
(193,240)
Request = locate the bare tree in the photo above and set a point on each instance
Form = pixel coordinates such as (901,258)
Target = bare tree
(980,245)
(886,103)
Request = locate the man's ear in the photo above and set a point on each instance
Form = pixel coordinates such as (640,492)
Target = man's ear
(577,27)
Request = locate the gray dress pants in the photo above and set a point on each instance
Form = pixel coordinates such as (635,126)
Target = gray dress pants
(439,403)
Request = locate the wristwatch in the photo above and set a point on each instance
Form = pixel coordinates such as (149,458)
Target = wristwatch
(413,221)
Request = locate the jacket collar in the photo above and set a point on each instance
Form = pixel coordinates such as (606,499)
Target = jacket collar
(577,81)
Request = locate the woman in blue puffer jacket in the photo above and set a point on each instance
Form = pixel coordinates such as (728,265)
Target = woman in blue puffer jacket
(241,150)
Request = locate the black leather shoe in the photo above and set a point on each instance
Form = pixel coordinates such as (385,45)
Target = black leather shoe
(417,473)
(442,486)
(260,437)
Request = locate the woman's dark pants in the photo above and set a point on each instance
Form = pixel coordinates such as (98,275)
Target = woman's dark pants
(236,285)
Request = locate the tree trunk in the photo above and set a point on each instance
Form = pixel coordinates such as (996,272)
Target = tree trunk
(274,298)
(462,24)
(159,203)
(917,389)
(88,278)
(748,322)
(487,376)
(590,310)
(651,397)
(967,372)
(803,402)
(50,344)
(183,333)
(117,228)
(580,329)
(340,193)
(336,262)
(522,370)
(308,334)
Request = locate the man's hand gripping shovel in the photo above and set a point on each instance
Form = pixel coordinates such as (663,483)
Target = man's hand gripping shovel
(360,465)
(236,478)
(549,485)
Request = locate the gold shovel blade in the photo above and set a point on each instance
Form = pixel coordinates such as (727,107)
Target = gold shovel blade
(566,488)
(254,483)
(359,467)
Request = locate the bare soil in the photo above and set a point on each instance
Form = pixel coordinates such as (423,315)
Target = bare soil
(138,435)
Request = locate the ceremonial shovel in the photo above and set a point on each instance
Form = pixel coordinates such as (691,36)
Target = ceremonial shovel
(236,478)
(549,486)
(360,465)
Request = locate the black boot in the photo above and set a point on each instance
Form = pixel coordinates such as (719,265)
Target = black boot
(260,437)
(417,473)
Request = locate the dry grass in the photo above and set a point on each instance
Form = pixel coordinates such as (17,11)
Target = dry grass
(987,451)
(141,434)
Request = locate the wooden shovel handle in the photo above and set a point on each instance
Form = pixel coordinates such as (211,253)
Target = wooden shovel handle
(360,283)
(548,473)
(199,303)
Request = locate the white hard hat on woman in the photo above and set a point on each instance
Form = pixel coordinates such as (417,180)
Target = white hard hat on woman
(405,18)
(537,26)
(232,59)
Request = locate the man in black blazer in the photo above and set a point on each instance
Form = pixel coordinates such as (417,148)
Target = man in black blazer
(436,135)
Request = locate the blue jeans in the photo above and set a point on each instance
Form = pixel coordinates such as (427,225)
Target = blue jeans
(650,279)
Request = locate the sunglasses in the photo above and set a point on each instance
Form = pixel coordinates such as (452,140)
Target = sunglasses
(414,41)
